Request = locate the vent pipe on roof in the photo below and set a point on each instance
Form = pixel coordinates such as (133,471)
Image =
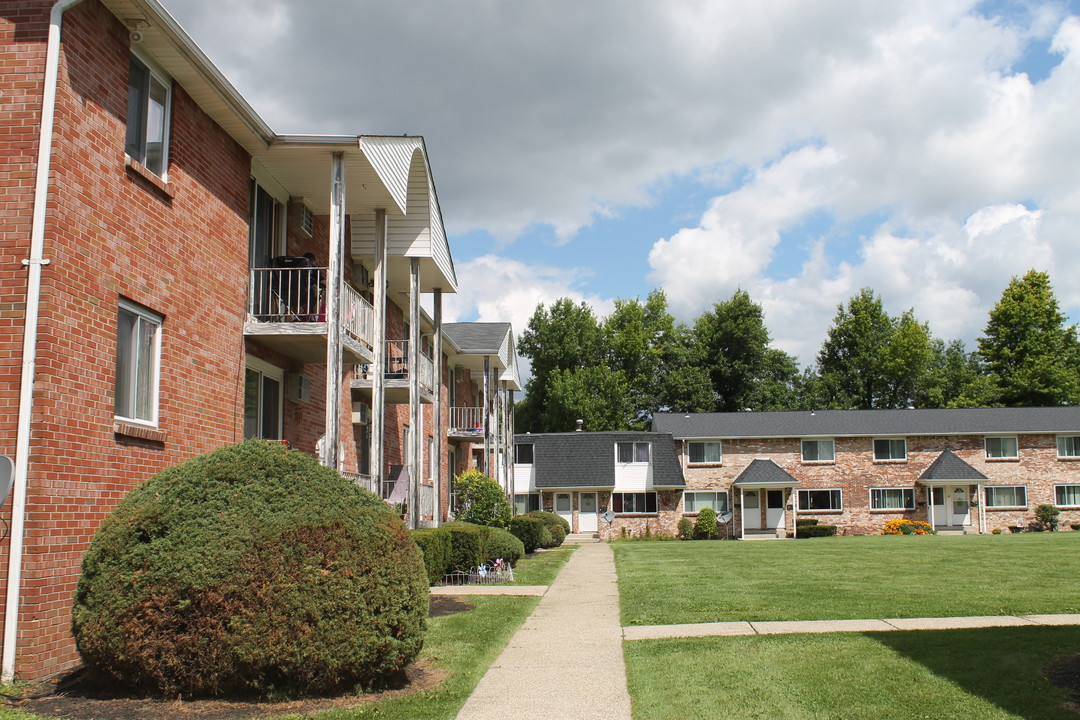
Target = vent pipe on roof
(580,424)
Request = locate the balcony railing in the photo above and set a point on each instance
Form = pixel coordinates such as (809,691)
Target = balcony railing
(466,421)
(362,480)
(298,294)
(396,365)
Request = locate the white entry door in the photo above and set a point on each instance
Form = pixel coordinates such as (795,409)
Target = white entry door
(751,508)
(774,509)
(952,506)
(587,518)
(564,508)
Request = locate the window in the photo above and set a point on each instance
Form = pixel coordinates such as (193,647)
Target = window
(1006,495)
(262,400)
(138,352)
(147,117)
(526,502)
(633,502)
(694,501)
(1001,447)
(892,498)
(705,453)
(818,451)
(523,454)
(632,452)
(890,449)
(1068,446)
(820,500)
(1067,495)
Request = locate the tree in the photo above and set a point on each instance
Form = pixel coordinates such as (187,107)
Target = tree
(1031,355)
(597,395)
(955,379)
(480,500)
(732,343)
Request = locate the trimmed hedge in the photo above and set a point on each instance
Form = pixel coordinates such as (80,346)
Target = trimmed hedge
(550,518)
(500,543)
(251,569)
(558,535)
(705,527)
(530,531)
(466,546)
(434,543)
(685,529)
(800,522)
(809,531)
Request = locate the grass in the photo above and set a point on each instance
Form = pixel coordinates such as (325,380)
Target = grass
(984,674)
(848,577)
(542,568)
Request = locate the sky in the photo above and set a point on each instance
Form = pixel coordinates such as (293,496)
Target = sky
(797,150)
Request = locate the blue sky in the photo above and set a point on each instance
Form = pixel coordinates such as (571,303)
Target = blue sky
(800,151)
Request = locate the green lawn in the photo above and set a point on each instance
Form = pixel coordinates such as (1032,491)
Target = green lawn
(542,567)
(983,674)
(848,577)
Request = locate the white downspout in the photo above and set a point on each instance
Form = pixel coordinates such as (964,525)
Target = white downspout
(30,329)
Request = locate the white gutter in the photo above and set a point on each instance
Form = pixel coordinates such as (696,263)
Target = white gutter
(30,330)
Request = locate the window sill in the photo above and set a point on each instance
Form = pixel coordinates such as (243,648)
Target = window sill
(818,462)
(139,431)
(1069,458)
(634,515)
(819,512)
(894,511)
(1006,508)
(137,168)
(1004,459)
(896,461)
(709,465)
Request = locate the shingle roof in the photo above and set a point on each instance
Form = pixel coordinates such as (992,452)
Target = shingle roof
(764,472)
(587,459)
(838,423)
(949,466)
(475,337)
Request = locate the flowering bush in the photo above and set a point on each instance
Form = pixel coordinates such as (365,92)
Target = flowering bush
(903,526)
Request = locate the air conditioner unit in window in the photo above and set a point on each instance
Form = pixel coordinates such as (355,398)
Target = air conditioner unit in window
(301,218)
(361,413)
(298,388)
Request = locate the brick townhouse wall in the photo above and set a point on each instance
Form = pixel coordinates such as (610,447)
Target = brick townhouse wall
(179,250)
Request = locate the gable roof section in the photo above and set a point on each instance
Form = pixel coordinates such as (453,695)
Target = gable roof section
(763,473)
(492,339)
(587,460)
(857,423)
(949,466)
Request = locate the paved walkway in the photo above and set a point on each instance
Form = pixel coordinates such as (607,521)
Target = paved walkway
(566,660)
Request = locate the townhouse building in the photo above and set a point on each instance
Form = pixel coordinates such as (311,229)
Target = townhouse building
(177,276)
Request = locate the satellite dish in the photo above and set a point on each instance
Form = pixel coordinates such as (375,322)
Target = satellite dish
(609,516)
(7,469)
(726,517)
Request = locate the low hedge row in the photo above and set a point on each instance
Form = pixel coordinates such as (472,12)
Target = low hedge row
(800,522)
(809,531)
(436,545)
(532,531)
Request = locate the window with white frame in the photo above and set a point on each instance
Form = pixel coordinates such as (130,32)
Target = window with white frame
(892,498)
(632,452)
(138,354)
(1006,496)
(1002,447)
(262,400)
(814,500)
(523,454)
(1067,495)
(696,500)
(633,502)
(890,449)
(526,502)
(818,451)
(707,452)
(147,140)
(1068,446)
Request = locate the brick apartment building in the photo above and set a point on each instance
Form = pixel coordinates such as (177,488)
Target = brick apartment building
(175,276)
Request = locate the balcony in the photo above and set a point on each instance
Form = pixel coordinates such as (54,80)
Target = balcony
(396,374)
(466,422)
(287,314)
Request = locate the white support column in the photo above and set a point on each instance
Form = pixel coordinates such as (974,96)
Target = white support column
(794,513)
(487,416)
(440,426)
(982,511)
(332,433)
(930,502)
(415,415)
(378,376)
(742,514)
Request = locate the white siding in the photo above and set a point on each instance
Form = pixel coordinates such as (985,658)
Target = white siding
(633,477)
(524,479)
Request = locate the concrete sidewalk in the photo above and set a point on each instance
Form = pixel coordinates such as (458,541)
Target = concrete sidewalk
(656,632)
(566,660)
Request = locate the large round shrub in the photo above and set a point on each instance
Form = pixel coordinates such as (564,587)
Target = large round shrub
(251,569)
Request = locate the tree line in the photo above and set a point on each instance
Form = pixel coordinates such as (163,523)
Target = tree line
(615,372)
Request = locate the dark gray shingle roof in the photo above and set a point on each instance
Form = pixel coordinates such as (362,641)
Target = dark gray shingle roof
(587,459)
(950,466)
(477,337)
(834,423)
(764,472)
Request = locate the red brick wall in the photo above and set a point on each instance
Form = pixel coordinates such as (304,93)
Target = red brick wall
(111,234)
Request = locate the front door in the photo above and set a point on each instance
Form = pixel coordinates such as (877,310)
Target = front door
(752,509)
(564,508)
(587,519)
(774,509)
(952,506)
